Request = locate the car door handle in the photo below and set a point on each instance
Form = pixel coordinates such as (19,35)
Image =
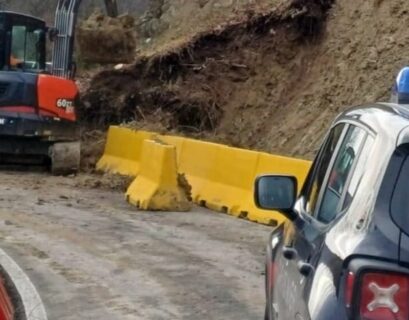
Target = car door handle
(305,268)
(289,253)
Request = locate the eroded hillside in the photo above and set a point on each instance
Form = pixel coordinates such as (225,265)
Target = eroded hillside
(271,76)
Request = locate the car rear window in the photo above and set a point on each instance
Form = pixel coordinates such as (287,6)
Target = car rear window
(400,198)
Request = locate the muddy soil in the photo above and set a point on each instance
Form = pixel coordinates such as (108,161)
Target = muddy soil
(91,256)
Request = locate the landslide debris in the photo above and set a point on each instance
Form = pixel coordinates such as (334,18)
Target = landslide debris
(106,40)
(196,87)
(271,77)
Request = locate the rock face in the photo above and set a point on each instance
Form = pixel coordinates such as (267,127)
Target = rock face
(105,40)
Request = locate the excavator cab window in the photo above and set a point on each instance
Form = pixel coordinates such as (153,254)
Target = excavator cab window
(25,48)
(25,42)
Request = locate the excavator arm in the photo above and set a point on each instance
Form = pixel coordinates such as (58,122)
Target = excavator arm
(65,22)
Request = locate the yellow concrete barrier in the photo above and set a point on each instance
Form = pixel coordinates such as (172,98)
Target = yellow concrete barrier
(197,162)
(221,177)
(123,151)
(178,142)
(231,180)
(156,187)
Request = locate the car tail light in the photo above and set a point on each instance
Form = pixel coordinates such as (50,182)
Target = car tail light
(349,289)
(384,296)
(380,295)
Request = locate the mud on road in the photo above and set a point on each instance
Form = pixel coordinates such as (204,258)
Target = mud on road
(91,256)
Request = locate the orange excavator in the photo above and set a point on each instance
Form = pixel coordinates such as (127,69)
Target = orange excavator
(38,100)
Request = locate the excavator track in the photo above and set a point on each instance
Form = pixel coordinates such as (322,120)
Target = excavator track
(65,157)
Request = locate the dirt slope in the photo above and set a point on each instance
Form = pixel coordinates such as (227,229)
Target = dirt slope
(357,61)
(172,23)
(270,81)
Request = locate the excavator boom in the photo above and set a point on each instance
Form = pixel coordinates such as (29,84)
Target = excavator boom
(65,23)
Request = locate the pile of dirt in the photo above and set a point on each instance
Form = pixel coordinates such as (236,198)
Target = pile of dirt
(92,148)
(116,97)
(271,80)
(105,40)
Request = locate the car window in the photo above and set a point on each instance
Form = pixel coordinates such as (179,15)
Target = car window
(338,177)
(358,172)
(320,168)
(400,198)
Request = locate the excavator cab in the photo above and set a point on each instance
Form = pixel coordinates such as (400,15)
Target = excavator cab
(23,42)
(38,122)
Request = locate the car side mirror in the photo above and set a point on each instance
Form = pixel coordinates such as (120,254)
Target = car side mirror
(276,193)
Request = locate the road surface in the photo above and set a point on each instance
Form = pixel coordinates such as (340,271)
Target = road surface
(92,256)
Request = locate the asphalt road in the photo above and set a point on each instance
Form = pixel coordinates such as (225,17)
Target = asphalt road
(91,256)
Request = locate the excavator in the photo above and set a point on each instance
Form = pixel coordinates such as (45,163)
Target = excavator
(38,99)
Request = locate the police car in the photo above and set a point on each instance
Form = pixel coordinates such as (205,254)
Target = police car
(344,251)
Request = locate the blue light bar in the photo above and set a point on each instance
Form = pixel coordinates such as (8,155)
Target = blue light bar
(400,92)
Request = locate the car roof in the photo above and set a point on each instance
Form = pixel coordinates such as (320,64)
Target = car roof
(389,119)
